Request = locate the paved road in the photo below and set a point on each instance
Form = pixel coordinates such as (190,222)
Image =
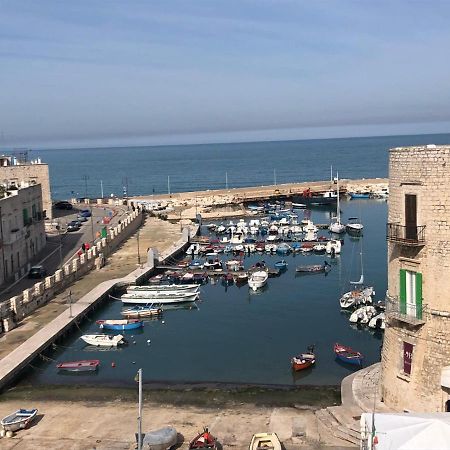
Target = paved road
(50,256)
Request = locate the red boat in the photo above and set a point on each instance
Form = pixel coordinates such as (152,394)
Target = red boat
(348,355)
(88,365)
(304,360)
(203,440)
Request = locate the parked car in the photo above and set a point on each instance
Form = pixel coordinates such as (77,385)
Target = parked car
(63,204)
(85,213)
(81,219)
(37,272)
(74,225)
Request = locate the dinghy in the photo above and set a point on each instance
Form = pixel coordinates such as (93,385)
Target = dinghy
(363,315)
(314,268)
(281,265)
(378,321)
(265,441)
(203,440)
(18,420)
(258,279)
(103,340)
(164,287)
(348,355)
(88,365)
(138,312)
(120,324)
(304,360)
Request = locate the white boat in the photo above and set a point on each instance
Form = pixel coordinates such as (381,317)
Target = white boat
(18,420)
(298,205)
(265,441)
(147,297)
(103,340)
(319,248)
(336,226)
(378,321)
(354,226)
(166,293)
(359,296)
(333,247)
(164,287)
(363,314)
(258,279)
(310,231)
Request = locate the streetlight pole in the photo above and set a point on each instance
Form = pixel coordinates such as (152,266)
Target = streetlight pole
(138,249)
(70,304)
(58,227)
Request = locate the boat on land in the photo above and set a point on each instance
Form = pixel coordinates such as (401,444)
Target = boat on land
(18,420)
(87,365)
(120,324)
(304,360)
(103,340)
(258,279)
(163,287)
(348,355)
(314,268)
(354,226)
(203,440)
(265,441)
(137,312)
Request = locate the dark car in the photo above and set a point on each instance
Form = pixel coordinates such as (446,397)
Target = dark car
(74,225)
(37,272)
(85,213)
(81,219)
(63,205)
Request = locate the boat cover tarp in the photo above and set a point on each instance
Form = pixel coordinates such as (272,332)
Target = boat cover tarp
(406,431)
(161,439)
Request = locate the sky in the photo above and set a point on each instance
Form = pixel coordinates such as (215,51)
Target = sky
(91,72)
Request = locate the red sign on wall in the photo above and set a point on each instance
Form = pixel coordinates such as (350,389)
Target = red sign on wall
(407,357)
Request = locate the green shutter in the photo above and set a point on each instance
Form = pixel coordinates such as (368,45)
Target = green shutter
(25,216)
(402,291)
(418,295)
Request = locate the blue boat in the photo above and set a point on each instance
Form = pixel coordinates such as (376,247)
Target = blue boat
(120,324)
(348,355)
(354,195)
(282,265)
(283,249)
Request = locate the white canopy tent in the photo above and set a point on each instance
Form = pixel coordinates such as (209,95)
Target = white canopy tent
(405,431)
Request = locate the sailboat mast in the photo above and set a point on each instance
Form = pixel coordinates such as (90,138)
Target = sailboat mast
(338,212)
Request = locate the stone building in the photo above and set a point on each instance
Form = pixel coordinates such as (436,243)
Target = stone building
(22,230)
(19,172)
(416,350)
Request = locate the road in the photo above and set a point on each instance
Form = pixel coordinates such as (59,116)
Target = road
(70,243)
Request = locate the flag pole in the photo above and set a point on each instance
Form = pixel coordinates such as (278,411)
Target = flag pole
(140,411)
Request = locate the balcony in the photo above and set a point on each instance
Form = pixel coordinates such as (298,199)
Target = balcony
(411,236)
(411,314)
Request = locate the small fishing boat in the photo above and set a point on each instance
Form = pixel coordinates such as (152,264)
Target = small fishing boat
(103,340)
(258,279)
(378,321)
(355,195)
(137,312)
(88,365)
(203,440)
(263,441)
(160,297)
(319,249)
(304,360)
(314,268)
(196,264)
(356,297)
(281,265)
(163,287)
(120,324)
(283,249)
(296,205)
(348,355)
(18,420)
(333,247)
(363,314)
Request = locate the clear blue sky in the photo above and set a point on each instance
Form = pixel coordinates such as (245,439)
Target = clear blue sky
(162,71)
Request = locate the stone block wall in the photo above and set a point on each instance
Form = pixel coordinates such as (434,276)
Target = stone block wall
(425,172)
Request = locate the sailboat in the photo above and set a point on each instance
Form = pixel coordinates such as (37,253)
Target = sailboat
(336,226)
(360,294)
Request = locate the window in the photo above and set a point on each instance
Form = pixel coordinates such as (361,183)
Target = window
(25,216)
(407,357)
(411,217)
(411,293)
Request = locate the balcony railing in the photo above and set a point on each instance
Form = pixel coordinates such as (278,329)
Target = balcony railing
(412,314)
(413,236)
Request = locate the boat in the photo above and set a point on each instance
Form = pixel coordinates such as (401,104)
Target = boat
(258,279)
(363,314)
(304,360)
(265,441)
(314,268)
(137,312)
(161,439)
(282,265)
(355,195)
(196,263)
(163,287)
(88,365)
(333,247)
(203,440)
(348,355)
(283,249)
(150,295)
(309,198)
(120,324)
(241,278)
(356,297)
(336,226)
(354,226)
(319,248)
(378,321)
(103,340)
(140,298)
(18,420)
(296,205)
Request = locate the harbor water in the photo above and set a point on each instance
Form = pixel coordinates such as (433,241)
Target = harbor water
(235,335)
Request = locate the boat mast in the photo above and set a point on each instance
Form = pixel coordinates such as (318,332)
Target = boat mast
(338,211)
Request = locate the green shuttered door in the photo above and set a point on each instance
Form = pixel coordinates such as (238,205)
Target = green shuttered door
(419,295)
(402,291)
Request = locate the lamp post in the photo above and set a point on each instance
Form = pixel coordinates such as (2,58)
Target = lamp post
(138,249)
(58,227)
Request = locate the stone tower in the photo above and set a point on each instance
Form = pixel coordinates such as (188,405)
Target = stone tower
(416,351)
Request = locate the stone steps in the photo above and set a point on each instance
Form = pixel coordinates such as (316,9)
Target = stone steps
(337,429)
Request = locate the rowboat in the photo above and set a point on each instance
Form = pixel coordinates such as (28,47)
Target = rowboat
(348,355)
(143,298)
(363,314)
(304,360)
(138,312)
(258,279)
(203,440)
(120,324)
(314,268)
(163,287)
(88,365)
(103,340)
(282,265)
(265,441)
(354,195)
(18,420)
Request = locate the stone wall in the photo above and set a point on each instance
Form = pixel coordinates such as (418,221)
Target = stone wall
(425,172)
(17,308)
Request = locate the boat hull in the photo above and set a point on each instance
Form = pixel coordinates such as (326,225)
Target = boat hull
(79,366)
(124,327)
(19,420)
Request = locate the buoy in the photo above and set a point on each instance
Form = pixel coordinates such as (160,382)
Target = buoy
(148,341)
(134,342)
(162,321)
(113,364)
(133,362)
(2,433)
(9,434)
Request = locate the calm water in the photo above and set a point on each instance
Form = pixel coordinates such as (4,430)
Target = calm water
(239,336)
(200,167)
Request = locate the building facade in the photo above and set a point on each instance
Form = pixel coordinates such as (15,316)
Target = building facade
(416,349)
(22,230)
(19,172)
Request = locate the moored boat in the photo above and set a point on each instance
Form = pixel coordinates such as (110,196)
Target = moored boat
(354,226)
(304,360)
(258,279)
(203,440)
(18,420)
(87,365)
(267,441)
(281,265)
(103,340)
(354,195)
(163,287)
(159,297)
(138,312)
(120,324)
(348,355)
(314,268)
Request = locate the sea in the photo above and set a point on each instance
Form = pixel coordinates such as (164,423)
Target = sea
(233,335)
